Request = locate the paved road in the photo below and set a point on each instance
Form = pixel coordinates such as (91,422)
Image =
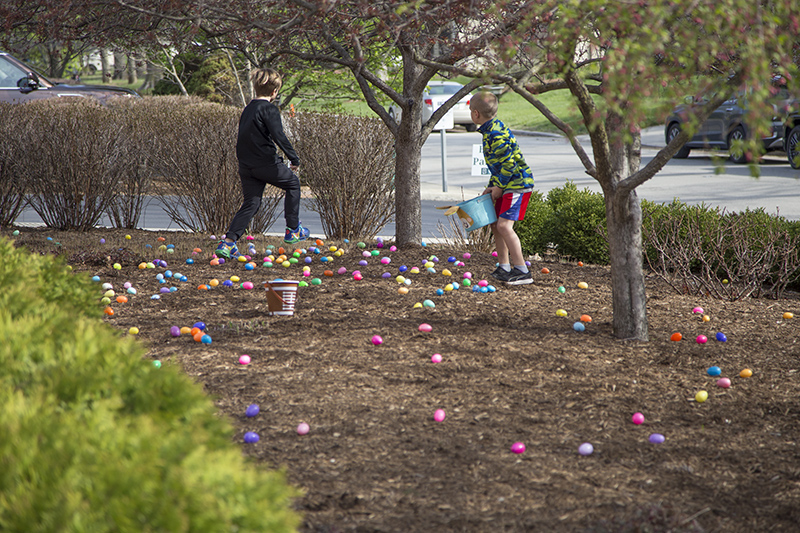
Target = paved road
(694,180)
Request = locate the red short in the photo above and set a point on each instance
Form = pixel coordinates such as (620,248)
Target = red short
(513,205)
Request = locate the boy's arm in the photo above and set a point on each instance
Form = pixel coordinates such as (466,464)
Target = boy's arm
(500,158)
(275,126)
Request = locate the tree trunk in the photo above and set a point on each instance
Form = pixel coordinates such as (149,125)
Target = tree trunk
(407,164)
(132,77)
(105,70)
(624,222)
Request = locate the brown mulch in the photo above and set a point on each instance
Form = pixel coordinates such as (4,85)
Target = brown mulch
(512,371)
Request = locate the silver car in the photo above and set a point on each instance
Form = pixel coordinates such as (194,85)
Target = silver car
(436,93)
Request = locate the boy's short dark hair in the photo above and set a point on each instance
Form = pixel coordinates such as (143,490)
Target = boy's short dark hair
(265,81)
(485,103)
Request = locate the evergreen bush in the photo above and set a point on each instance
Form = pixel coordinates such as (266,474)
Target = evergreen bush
(98,439)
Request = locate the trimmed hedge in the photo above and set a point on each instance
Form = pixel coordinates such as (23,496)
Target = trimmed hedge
(98,439)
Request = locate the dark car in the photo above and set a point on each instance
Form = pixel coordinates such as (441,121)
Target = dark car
(791,139)
(19,84)
(727,124)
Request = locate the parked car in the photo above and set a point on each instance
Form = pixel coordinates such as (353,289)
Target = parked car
(436,93)
(791,139)
(727,124)
(19,84)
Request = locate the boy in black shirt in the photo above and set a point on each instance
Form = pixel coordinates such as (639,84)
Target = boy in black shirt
(260,130)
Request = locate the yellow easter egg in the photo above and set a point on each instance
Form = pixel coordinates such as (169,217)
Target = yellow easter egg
(214,282)
(429,264)
(235,279)
(117,266)
(414,270)
(706,318)
(787,315)
(185,330)
(583,285)
(701,396)
(417,305)
(127,237)
(746,373)
(134,330)
(242,259)
(561,312)
(142,266)
(400,279)
(446,272)
(338,253)
(448,287)
(306,268)
(286,264)
(332,249)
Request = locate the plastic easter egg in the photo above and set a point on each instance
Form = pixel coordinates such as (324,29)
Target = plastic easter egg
(206,339)
(366,254)
(316,281)
(386,275)
(425,328)
(175,331)
(328,273)
(303,428)
(436,358)
(362,263)
(676,337)
(127,237)
(446,272)
(439,292)
(185,330)
(96,278)
(357,276)
(428,303)
(402,290)
(377,340)
(706,318)
(302,284)
(155,297)
(448,288)
(157,363)
(466,255)
(227,283)
(586,318)
(414,270)
(439,415)
(638,419)
(656,438)
(400,279)
(561,312)
(361,245)
(578,326)
(545,270)
(701,396)
(586,449)
(724,383)
(451,259)
(562,290)
(787,315)
(583,285)
(133,330)
(267,264)
(251,436)
(467,282)
(249,266)
(375,253)
(746,373)
(164,290)
(244,359)
(701,339)
(714,371)
(697,310)
(105,300)
(467,275)
(483,283)
(518,448)
(483,289)
(132,290)
(417,305)
(385,260)
(117,266)
(307,260)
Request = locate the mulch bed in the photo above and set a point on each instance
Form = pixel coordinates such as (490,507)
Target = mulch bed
(512,371)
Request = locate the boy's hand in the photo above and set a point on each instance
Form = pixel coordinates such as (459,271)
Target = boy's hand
(496,192)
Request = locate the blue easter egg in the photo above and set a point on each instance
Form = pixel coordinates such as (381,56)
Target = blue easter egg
(451,259)
(159,276)
(250,437)
(190,261)
(491,288)
(402,268)
(439,292)
(49,238)
(168,273)
(423,243)
(170,246)
(249,266)
(714,371)
(484,290)
(227,283)
(323,259)
(200,325)
(308,260)
(155,297)
(95,278)
(578,326)
(205,339)
(721,337)
(184,278)
(252,410)
(148,246)
(173,289)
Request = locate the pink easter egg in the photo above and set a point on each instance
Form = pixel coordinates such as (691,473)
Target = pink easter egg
(518,447)
(357,276)
(342,270)
(425,328)
(366,254)
(250,238)
(494,254)
(637,418)
(483,283)
(393,248)
(302,428)
(467,275)
(702,339)
(244,359)
(467,255)
(307,273)
(377,340)
(385,260)
(247,285)
(697,310)
(439,415)
(724,383)
(436,358)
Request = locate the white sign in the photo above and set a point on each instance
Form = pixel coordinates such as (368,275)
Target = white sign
(446,122)
(479,167)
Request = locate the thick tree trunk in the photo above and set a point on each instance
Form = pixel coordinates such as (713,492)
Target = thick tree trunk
(408,203)
(624,220)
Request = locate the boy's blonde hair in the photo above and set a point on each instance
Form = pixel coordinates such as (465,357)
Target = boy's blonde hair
(265,81)
(485,103)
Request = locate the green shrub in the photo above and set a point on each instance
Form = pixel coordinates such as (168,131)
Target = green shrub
(98,439)
(535,231)
(579,223)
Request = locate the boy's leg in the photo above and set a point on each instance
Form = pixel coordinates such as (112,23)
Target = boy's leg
(507,242)
(512,207)
(252,190)
(283,178)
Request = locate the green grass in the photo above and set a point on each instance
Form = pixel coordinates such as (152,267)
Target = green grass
(98,80)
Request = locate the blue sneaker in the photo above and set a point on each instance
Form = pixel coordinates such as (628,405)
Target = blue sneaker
(295,235)
(227,251)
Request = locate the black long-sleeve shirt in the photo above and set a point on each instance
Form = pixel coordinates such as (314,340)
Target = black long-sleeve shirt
(260,130)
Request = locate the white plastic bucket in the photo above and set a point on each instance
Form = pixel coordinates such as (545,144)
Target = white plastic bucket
(281,297)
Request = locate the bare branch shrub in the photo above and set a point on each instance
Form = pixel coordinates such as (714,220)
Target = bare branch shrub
(348,164)
(67,160)
(703,251)
(12,193)
(196,158)
(133,169)
(456,235)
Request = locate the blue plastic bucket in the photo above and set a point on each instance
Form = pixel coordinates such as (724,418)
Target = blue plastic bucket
(480,210)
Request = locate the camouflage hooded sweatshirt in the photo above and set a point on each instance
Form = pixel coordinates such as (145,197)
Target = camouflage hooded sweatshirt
(504,158)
